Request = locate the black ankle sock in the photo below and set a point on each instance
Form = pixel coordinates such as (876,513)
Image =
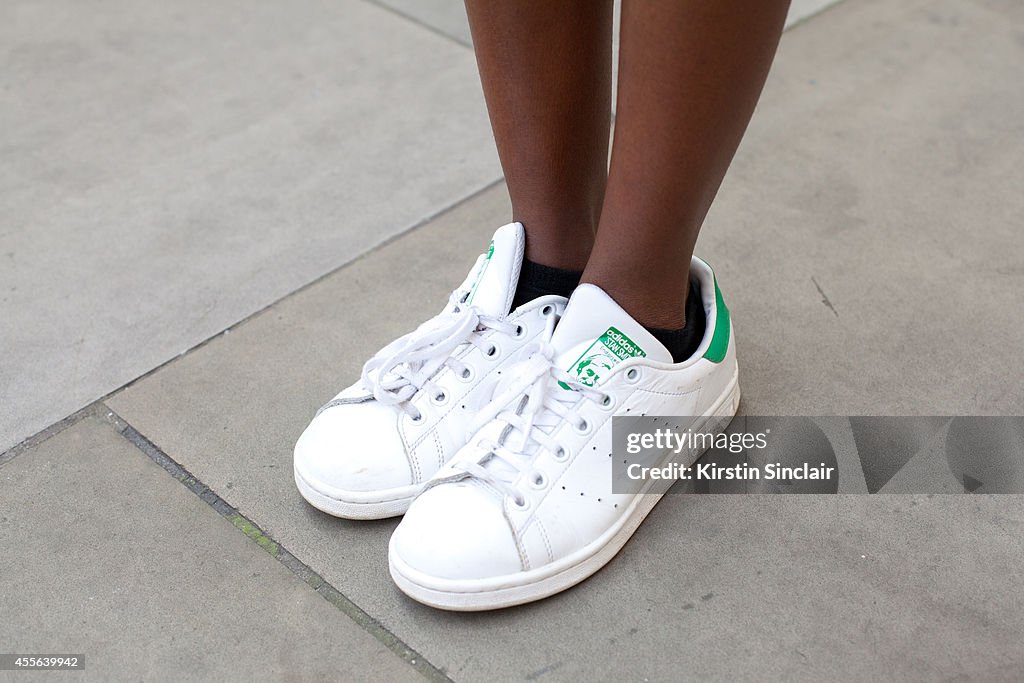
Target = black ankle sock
(683,342)
(536,280)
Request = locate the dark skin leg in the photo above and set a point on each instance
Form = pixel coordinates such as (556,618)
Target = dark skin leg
(690,74)
(546,72)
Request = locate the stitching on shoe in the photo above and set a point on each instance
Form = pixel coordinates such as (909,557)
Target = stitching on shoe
(667,393)
(440,450)
(410,457)
(544,537)
(454,401)
(342,402)
(524,559)
(414,463)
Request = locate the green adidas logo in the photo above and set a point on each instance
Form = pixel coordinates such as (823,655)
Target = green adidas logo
(480,273)
(607,351)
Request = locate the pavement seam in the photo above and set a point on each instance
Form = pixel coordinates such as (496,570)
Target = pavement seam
(86,411)
(312,283)
(59,426)
(419,22)
(813,15)
(48,433)
(274,548)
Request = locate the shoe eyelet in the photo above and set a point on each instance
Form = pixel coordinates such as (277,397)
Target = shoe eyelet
(632,375)
(418,417)
(521,503)
(547,310)
(439,399)
(492,352)
(520,332)
(560,454)
(608,402)
(583,427)
(538,481)
(467,374)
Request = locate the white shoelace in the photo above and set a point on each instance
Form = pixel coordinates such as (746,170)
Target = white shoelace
(407,365)
(539,398)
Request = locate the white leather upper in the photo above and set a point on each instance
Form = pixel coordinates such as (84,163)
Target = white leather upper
(358,447)
(471,544)
(568,497)
(371,457)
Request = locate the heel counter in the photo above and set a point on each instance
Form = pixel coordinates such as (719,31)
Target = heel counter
(719,346)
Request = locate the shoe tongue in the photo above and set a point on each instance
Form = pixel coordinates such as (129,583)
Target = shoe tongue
(493,280)
(595,335)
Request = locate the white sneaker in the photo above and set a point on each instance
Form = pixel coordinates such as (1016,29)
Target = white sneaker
(369,451)
(526,509)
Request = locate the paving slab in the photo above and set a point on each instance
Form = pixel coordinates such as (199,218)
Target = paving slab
(445,16)
(842,240)
(107,555)
(867,235)
(449,16)
(811,588)
(802,10)
(168,169)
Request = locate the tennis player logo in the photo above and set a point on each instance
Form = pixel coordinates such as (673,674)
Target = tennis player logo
(591,368)
(607,351)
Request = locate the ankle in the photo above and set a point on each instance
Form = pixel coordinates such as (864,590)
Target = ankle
(684,340)
(564,242)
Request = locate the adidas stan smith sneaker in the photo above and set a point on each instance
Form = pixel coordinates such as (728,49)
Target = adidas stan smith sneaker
(526,508)
(368,452)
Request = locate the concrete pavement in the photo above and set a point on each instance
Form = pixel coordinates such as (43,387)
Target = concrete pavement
(158,529)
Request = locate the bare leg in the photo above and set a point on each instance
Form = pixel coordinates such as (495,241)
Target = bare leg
(690,74)
(546,73)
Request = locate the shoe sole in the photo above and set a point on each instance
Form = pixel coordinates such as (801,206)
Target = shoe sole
(394,505)
(523,587)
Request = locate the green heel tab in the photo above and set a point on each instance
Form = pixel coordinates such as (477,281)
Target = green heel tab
(719,345)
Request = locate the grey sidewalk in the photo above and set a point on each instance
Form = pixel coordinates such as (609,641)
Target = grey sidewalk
(877,190)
